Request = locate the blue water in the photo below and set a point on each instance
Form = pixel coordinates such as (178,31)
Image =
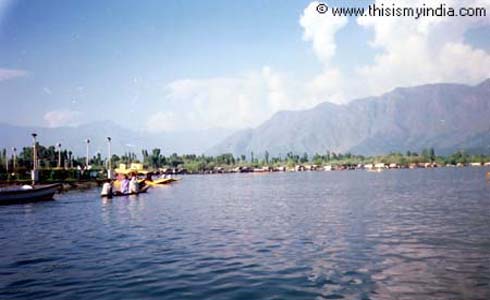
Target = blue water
(399,234)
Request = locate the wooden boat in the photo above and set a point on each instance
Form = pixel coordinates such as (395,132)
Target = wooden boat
(116,185)
(162,181)
(37,193)
(144,189)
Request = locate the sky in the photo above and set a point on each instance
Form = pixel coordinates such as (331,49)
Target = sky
(189,65)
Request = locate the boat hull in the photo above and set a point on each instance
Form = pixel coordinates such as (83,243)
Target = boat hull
(162,181)
(118,194)
(39,193)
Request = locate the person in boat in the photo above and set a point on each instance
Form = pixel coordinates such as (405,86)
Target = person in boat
(133,185)
(125,185)
(107,189)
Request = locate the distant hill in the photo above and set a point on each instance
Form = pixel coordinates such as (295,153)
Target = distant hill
(123,140)
(447,117)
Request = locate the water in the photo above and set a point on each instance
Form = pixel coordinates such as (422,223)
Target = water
(401,234)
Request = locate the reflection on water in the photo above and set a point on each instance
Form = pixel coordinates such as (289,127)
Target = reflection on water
(402,234)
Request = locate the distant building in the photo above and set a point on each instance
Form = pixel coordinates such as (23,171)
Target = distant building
(133,168)
(280,169)
(299,168)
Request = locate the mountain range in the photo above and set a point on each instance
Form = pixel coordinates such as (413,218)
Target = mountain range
(446,117)
(123,139)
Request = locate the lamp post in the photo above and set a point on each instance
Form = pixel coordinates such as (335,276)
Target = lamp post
(14,150)
(70,160)
(34,172)
(109,159)
(6,162)
(86,157)
(59,155)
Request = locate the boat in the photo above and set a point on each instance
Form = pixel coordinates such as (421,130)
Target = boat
(161,181)
(33,194)
(144,189)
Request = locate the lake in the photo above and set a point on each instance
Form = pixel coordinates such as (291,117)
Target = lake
(398,234)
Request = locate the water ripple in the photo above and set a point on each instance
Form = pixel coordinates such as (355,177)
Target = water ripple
(406,234)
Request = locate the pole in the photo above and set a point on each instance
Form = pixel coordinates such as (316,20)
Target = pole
(109,159)
(6,161)
(34,152)
(59,155)
(86,157)
(15,157)
(34,173)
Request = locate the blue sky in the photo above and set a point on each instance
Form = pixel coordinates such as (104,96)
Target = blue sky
(170,65)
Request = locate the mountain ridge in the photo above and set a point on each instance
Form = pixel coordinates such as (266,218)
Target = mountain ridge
(123,139)
(445,116)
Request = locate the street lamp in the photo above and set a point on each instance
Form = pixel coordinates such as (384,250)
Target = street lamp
(109,159)
(86,157)
(14,150)
(6,161)
(34,172)
(70,159)
(34,151)
(59,155)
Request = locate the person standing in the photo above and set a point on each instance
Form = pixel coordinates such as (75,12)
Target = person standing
(133,185)
(107,189)
(125,185)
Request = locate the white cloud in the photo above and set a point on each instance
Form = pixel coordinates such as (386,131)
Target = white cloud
(426,50)
(162,121)
(6,74)
(228,102)
(411,52)
(250,99)
(320,29)
(64,117)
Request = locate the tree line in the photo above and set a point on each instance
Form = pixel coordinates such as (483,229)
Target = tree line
(154,159)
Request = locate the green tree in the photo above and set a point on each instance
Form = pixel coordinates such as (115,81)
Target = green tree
(432,154)
(304,158)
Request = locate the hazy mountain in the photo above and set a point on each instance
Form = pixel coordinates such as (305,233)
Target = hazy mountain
(123,140)
(447,117)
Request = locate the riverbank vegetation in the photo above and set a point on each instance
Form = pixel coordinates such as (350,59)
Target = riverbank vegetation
(63,165)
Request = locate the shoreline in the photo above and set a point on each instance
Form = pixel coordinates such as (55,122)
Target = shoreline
(88,184)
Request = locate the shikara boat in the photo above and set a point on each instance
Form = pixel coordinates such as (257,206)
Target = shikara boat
(116,185)
(144,189)
(34,194)
(162,181)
